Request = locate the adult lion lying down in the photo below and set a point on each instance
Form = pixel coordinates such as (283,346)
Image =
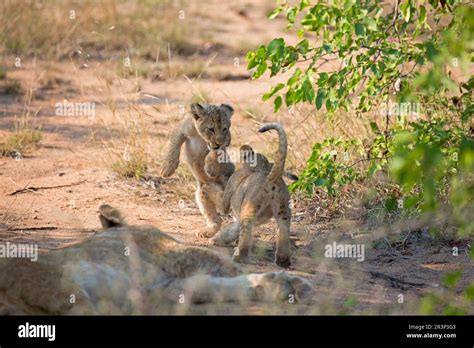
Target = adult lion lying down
(133,270)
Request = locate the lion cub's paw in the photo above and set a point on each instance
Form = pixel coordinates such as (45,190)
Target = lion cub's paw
(207,232)
(283,260)
(223,238)
(240,256)
(169,168)
(211,170)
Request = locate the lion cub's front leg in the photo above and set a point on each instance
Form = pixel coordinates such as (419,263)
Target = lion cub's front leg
(205,197)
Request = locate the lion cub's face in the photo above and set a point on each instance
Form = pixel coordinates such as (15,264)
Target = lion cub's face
(213,123)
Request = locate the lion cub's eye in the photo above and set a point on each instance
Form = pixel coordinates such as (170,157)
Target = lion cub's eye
(211,130)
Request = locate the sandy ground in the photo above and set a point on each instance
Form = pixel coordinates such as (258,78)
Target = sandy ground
(69,176)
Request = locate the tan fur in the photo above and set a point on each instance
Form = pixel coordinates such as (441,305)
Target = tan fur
(263,163)
(207,128)
(151,279)
(255,193)
(216,168)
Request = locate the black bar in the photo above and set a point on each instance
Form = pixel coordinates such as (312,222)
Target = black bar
(218,330)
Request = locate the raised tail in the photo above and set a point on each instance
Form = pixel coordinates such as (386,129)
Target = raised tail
(279,165)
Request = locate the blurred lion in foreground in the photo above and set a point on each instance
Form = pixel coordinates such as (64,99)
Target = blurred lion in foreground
(134,270)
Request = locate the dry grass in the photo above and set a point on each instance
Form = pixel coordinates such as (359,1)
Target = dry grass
(23,138)
(130,164)
(61,29)
(128,144)
(25,135)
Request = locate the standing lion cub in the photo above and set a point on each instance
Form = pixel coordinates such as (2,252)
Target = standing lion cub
(206,128)
(255,193)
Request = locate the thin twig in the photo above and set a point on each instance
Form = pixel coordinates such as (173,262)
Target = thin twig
(32,228)
(394,281)
(34,189)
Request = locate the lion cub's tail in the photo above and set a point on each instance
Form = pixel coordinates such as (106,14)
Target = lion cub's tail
(278,167)
(111,217)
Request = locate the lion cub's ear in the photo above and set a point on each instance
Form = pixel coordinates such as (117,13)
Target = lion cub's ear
(227,110)
(246,153)
(111,217)
(197,110)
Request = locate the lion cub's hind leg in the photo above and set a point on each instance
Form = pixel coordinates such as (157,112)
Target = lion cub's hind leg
(246,223)
(227,235)
(282,215)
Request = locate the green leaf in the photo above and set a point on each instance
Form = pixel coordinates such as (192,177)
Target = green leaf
(295,77)
(466,154)
(320,182)
(453,310)
(405,9)
(422,18)
(303,46)
(391,203)
(323,77)
(276,48)
(320,98)
(351,301)
(469,292)
(359,29)
(410,201)
(275,12)
(374,127)
(272,92)
(260,70)
(308,91)
(277,103)
(431,50)
(374,168)
(467,113)
(451,279)
(291,14)
(371,24)
(327,48)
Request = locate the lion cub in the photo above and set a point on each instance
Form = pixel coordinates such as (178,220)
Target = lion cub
(256,192)
(206,128)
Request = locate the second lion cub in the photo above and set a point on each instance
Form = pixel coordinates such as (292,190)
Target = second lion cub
(255,195)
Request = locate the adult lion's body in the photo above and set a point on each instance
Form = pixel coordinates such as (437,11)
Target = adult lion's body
(132,270)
